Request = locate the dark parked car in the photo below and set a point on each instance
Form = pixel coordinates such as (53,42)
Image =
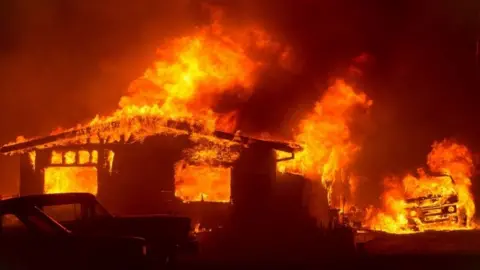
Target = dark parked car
(30,239)
(167,236)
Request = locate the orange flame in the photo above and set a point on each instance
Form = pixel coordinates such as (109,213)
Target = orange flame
(70,179)
(454,163)
(32,155)
(183,84)
(202,183)
(189,76)
(326,137)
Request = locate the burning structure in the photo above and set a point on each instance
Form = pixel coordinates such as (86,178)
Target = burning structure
(151,176)
(169,142)
(166,144)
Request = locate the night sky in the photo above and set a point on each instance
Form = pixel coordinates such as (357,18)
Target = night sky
(62,62)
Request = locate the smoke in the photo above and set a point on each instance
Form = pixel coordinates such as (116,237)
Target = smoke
(63,62)
(323,36)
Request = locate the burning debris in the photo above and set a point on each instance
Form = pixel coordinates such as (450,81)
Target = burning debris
(440,200)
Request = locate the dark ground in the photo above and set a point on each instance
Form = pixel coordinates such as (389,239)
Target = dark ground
(435,250)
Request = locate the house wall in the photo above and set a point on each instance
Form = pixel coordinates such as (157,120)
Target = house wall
(32,172)
(142,181)
(31,177)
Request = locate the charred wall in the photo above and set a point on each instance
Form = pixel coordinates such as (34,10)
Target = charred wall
(253,176)
(33,166)
(141,180)
(143,176)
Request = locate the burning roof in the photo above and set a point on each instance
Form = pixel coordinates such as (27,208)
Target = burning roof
(177,93)
(109,134)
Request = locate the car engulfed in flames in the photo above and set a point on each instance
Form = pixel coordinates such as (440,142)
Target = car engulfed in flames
(441,199)
(434,210)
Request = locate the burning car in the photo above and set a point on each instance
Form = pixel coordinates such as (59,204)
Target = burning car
(435,210)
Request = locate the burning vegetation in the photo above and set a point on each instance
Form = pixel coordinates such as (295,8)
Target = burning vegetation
(178,95)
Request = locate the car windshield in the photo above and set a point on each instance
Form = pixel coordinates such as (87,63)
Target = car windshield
(74,210)
(38,221)
(40,225)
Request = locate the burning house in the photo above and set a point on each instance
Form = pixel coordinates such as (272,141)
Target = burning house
(172,139)
(152,176)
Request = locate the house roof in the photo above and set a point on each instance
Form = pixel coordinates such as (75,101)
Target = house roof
(103,135)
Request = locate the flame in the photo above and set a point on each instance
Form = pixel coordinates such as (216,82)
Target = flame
(188,77)
(110,157)
(32,155)
(184,83)
(94,157)
(177,95)
(70,157)
(199,229)
(70,179)
(212,151)
(453,162)
(83,157)
(57,158)
(326,137)
(202,183)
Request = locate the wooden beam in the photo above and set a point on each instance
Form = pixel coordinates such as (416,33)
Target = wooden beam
(172,124)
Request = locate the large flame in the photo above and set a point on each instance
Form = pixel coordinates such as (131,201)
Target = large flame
(326,138)
(454,166)
(181,89)
(202,183)
(70,179)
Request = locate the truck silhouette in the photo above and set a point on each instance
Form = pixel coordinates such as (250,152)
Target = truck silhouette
(435,210)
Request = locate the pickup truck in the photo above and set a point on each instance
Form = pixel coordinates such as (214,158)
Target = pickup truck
(167,236)
(30,239)
(435,209)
